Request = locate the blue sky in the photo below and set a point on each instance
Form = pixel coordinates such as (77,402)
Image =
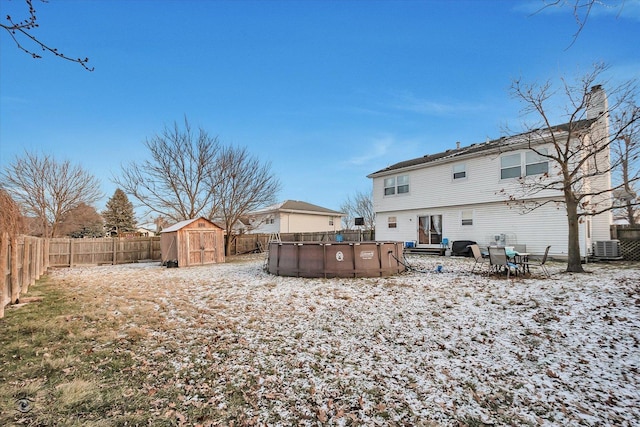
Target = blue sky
(326,91)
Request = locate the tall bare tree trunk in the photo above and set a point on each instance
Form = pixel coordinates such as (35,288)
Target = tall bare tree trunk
(574,261)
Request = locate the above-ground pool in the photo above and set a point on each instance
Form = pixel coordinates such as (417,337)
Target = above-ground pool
(335,259)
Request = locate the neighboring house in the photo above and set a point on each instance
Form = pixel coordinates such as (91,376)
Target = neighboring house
(459,194)
(145,232)
(292,216)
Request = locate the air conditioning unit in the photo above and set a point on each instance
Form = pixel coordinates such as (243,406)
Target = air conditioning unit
(607,249)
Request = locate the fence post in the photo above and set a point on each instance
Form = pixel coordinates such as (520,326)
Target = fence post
(45,256)
(115,252)
(15,283)
(33,265)
(71,253)
(4,261)
(38,257)
(26,265)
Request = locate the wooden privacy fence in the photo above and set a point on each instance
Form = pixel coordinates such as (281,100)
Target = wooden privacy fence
(23,260)
(66,252)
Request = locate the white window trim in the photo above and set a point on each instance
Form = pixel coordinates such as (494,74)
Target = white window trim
(454,172)
(540,160)
(519,165)
(523,163)
(463,219)
(394,190)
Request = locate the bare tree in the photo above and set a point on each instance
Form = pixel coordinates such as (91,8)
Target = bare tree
(626,151)
(161,223)
(24,28)
(580,167)
(176,183)
(48,189)
(359,206)
(11,220)
(244,184)
(82,221)
(582,9)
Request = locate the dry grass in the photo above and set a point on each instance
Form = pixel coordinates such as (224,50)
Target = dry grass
(138,346)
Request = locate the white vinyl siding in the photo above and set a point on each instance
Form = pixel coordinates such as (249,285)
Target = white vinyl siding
(489,220)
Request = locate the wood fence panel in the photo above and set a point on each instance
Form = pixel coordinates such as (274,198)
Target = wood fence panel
(25,259)
(65,252)
(26,265)
(59,255)
(17,265)
(5,269)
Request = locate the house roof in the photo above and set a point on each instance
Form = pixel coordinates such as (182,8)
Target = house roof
(296,206)
(178,225)
(500,144)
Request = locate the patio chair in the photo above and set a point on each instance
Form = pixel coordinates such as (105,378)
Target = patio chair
(477,255)
(499,261)
(540,264)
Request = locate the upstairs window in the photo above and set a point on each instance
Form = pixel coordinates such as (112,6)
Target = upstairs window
(403,184)
(396,185)
(459,171)
(510,166)
(389,186)
(392,222)
(535,163)
(532,163)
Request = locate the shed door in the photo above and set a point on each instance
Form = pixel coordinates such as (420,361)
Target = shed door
(202,247)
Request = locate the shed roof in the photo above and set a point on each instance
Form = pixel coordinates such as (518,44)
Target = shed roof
(504,143)
(178,225)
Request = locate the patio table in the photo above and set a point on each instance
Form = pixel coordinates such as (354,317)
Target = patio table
(521,259)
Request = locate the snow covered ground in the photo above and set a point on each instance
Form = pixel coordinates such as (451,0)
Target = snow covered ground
(420,348)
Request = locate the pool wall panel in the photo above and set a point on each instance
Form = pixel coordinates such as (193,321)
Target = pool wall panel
(335,259)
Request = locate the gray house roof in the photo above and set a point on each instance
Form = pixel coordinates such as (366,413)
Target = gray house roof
(501,144)
(296,206)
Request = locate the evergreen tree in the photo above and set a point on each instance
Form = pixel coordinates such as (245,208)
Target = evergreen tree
(118,215)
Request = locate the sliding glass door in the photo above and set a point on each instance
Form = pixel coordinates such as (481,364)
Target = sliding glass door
(430,230)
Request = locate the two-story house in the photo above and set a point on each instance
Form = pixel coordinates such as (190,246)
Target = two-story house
(463,193)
